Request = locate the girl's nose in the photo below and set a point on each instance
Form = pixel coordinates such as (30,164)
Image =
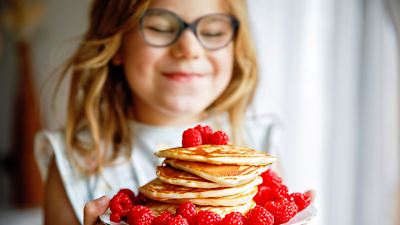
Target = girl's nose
(187,46)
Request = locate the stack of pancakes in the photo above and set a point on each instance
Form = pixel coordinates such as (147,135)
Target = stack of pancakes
(220,178)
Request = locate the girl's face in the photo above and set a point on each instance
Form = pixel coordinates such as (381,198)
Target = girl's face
(174,84)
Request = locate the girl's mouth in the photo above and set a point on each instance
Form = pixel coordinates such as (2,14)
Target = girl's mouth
(181,76)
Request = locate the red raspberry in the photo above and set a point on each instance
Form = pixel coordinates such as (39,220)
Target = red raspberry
(234,218)
(140,215)
(121,203)
(115,205)
(140,199)
(126,203)
(219,138)
(301,200)
(115,217)
(271,178)
(261,197)
(206,133)
(270,193)
(191,137)
(283,210)
(128,192)
(206,217)
(259,216)
(278,192)
(178,220)
(163,219)
(187,210)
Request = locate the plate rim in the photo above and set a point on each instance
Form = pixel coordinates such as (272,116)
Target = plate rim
(311,210)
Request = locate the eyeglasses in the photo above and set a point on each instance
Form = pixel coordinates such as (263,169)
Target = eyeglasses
(161,28)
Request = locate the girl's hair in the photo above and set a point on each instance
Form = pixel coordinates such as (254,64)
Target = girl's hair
(100,102)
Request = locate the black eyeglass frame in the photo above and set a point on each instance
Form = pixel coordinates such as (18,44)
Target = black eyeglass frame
(192,26)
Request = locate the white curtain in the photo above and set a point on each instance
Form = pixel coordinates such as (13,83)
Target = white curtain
(330,70)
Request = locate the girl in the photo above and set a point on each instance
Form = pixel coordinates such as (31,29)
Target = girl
(144,72)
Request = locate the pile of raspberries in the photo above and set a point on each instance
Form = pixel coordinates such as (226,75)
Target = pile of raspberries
(273,196)
(274,206)
(203,135)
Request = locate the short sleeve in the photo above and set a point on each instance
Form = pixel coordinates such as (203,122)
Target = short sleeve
(265,133)
(49,144)
(43,153)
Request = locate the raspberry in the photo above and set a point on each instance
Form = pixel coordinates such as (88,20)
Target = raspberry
(271,178)
(283,210)
(206,133)
(140,215)
(140,199)
(191,137)
(259,216)
(178,220)
(206,217)
(234,218)
(121,203)
(115,205)
(270,193)
(301,200)
(278,192)
(187,210)
(261,197)
(163,219)
(115,217)
(219,138)
(128,192)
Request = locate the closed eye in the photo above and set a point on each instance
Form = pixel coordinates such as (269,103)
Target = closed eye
(160,29)
(212,34)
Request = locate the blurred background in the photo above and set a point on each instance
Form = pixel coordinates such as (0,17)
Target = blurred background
(329,69)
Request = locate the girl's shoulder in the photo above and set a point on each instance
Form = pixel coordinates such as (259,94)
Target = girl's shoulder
(50,145)
(263,132)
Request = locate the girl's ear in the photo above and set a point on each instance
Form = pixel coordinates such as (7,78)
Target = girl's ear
(117,59)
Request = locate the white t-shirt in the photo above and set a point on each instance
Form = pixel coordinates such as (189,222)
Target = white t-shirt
(261,134)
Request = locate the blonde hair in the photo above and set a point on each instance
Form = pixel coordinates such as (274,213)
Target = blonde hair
(99,97)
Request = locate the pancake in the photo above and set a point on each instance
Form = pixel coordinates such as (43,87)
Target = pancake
(230,175)
(231,200)
(159,207)
(174,176)
(218,154)
(156,189)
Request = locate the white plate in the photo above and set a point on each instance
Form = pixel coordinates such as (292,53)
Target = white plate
(304,216)
(105,218)
(301,218)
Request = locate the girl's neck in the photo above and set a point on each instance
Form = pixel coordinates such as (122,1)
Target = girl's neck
(159,119)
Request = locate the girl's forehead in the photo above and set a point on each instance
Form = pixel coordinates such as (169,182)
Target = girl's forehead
(192,9)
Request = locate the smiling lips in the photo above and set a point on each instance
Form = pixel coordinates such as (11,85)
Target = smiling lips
(181,76)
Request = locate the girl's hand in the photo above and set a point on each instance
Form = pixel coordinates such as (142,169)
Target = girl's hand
(312,194)
(94,209)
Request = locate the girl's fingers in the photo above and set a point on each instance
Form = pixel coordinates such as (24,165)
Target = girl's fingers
(94,209)
(312,194)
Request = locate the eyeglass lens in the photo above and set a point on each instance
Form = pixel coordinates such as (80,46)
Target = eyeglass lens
(162,28)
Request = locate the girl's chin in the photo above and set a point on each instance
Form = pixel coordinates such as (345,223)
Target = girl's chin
(184,105)
(184,112)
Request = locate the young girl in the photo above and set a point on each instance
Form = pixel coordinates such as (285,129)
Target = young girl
(144,72)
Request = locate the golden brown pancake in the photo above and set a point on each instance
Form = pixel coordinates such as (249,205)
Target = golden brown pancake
(159,207)
(156,189)
(232,200)
(218,154)
(230,175)
(174,176)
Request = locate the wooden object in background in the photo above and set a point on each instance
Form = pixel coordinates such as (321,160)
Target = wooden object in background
(28,186)
(21,18)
